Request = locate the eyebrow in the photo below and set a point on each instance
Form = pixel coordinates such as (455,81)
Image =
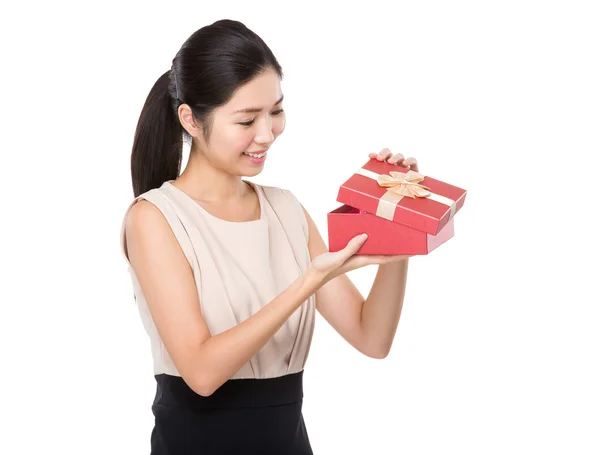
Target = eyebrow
(253,110)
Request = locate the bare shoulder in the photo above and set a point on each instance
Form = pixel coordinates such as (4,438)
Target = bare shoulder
(143,221)
(144,216)
(151,243)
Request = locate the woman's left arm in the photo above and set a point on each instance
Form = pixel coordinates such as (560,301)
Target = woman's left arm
(367,324)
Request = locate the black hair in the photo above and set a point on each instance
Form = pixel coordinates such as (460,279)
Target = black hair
(210,66)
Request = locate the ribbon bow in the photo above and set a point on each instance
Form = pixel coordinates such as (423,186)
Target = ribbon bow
(404,184)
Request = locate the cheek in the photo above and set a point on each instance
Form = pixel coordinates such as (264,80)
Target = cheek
(279,126)
(239,139)
(245,141)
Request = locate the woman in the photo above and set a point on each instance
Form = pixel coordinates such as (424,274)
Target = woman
(228,274)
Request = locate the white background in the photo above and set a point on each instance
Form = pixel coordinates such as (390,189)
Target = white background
(498,345)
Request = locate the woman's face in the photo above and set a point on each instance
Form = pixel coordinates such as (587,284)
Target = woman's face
(245,127)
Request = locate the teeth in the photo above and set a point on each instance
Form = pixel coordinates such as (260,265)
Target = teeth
(256,155)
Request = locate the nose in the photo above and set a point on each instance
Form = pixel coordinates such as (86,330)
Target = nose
(265,134)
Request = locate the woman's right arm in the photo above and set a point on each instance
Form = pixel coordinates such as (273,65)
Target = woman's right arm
(205,362)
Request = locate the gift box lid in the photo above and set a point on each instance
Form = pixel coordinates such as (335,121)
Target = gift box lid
(396,196)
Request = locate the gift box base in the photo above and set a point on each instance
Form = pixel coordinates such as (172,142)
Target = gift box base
(385,237)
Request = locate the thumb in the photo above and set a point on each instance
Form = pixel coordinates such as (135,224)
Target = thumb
(354,245)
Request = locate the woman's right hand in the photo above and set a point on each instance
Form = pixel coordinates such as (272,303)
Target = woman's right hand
(329,265)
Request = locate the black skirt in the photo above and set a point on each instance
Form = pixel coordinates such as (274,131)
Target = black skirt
(244,416)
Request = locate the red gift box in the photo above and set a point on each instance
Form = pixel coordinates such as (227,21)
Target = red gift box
(427,214)
(385,237)
(396,222)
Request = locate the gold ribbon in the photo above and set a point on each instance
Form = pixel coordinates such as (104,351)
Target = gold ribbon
(404,184)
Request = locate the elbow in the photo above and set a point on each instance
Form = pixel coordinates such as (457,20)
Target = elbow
(373,352)
(204,391)
(203,386)
(379,354)
(204,377)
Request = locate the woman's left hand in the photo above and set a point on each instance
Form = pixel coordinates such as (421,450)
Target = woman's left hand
(397,159)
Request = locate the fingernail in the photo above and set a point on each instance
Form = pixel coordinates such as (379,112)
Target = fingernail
(364,236)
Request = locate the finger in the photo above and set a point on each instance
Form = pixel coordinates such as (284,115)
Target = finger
(353,245)
(384,154)
(356,262)
(398,257)
(385,258)
(411,163)
(379,259)
(396,159)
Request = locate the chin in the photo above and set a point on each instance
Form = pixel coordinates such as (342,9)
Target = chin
(253,171)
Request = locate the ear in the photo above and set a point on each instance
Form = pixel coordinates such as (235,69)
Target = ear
(187,121)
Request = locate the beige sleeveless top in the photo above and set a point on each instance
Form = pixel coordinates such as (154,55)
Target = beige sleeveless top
(238,267)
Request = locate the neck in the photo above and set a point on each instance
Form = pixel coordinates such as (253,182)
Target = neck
(205,183)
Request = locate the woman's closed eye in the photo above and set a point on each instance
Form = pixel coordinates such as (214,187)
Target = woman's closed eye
(250,122)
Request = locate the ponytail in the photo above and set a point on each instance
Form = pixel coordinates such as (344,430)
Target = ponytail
(157,146)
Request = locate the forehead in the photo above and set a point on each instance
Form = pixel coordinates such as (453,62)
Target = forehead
(261,92)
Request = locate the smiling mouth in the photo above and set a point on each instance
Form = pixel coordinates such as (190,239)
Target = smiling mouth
(256,155)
